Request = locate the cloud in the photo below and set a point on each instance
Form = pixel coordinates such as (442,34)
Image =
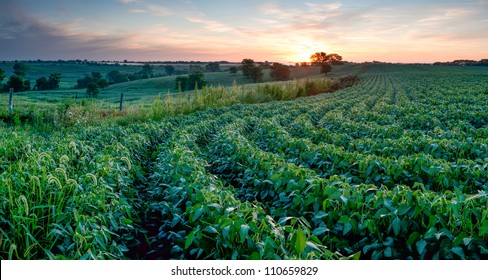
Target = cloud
(129,1)
(210,25)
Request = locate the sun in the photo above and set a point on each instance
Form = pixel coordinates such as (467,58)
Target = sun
(301,56)
(303,52)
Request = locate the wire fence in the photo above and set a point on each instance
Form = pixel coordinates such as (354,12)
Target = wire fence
(16,100)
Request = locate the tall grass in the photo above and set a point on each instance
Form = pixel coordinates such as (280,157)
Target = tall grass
(72,113)
(219,96)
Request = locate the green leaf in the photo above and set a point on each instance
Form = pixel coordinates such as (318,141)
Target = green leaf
(211,229)
(300,241)
(243,232)
(347,228)
(226,232)
(458,251)
(421,244)
(320,230)
(397,226)
(484,229)
(389,242)
(355,256)
(127,221)
(255,256)
(189,239)
(381,213)
(196,214)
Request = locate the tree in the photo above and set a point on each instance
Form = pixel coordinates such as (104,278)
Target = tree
(247,65)
(2,75)
(233,69)
(280,72)
(54,80)
(320,58)
(324,60)
(213,67)
(18,83)
(96,77)
(181,83)
(41,84)
(116,77)
(170,69)
(256,74)
(196,79)
(185,83)
(102,83)
(21,69)
(147,70)
(92,89)
(251,71)
(334,58)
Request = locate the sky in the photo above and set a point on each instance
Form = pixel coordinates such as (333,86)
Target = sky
(283,31)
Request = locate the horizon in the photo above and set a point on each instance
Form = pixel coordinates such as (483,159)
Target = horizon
(281,31)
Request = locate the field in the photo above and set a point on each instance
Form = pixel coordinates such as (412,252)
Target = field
(395,167)
(135,92)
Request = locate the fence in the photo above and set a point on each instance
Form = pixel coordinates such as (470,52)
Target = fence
(47,100)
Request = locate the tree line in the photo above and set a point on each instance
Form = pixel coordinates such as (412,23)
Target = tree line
(18,82)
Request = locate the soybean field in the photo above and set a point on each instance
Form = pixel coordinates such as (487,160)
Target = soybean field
(394,167)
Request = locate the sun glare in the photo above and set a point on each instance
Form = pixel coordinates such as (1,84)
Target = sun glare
(302,53)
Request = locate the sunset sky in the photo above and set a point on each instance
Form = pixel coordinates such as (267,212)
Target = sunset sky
(285,31)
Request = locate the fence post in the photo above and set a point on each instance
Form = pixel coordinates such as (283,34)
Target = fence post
(11,102)
(121,101)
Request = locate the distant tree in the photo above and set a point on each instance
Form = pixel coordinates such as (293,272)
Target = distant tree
(48,84)
(41,84)
(318,58)
(92,89)
(170,69)
(83,82)
(251,71)
(213,67)
(233,69)
(18,83)
(96,77)
(102,83)
(21,69)
(280,72)
(54,80)
(181,83)
(247,65)
(196,79)
(116,77)
(2,75)
(324,60)
(147,70)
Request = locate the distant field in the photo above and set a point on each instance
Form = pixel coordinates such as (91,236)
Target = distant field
(139,91)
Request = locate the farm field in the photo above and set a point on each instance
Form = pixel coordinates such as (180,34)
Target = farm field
(136,92)
(395,167)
